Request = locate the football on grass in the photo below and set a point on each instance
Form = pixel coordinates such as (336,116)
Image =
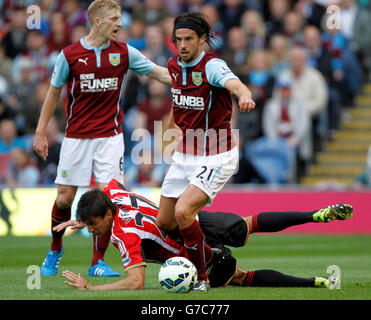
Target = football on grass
(177,274)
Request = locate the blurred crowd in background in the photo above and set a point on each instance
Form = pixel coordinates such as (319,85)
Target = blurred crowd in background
(303,70)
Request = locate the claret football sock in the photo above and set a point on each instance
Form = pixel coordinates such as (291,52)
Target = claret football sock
(100,247)
(58,216)
(198,251)
(277,221)
(175,234)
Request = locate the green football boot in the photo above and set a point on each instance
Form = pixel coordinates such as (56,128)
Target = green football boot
(330,283)
(340,211)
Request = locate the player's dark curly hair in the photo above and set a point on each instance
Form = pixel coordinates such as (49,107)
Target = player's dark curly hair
(93,203)
(196,22)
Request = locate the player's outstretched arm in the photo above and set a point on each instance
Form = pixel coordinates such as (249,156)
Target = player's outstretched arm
(160,74)
(74,224)
(40,144)
(133,281)
(243,93)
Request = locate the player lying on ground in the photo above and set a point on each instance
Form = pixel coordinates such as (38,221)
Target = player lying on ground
(131,219)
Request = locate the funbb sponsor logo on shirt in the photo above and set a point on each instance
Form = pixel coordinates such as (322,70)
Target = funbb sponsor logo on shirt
(187,102)
(88,83)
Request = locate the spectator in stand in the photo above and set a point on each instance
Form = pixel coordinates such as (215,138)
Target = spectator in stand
(136,34)
(293,28)
(21,91)
(59,36)
(156,106)
(3,86)
(151,12)
(32,112)
(279,48)
(78,32)
(260,78)
(145,173)
(211,15)
(321,59)
(230,13)
(47,9)
(236,53)
(311,10)
(49,167)
(6,64)
(254,29)
(74,13)
(22,172)
(15,38)
(260,81)
(286,116)
(5,111)
(167,28)
(348,16)
(37,51)
(191,6)
(362,38)
(8,141)
(347,70)
(8,136)
(309,85)
(155,45)
(277,10)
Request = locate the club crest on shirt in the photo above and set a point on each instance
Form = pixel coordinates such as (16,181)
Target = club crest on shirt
(114,59)
(197,78)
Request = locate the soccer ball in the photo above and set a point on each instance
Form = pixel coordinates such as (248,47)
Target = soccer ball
(177,274)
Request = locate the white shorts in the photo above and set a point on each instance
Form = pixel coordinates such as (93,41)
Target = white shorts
(80,158)
(208,173)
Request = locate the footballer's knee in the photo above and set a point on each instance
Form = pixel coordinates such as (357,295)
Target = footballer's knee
(65,196)
(165,224)
(183,216)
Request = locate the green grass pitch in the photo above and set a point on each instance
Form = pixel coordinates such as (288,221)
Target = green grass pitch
(300,255)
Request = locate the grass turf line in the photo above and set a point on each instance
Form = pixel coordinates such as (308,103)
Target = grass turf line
(299,255)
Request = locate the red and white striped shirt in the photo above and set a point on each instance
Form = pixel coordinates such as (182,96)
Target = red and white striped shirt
(134,232)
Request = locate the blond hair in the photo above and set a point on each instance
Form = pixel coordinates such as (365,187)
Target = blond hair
(96,6)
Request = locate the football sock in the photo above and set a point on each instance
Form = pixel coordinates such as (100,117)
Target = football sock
(175,234)
(58,216)
(277,221)
(198,251)
(100,246)
(272,278)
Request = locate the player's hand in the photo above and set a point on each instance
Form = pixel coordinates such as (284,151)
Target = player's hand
(74,224)
(75,280)
(246,103)
(40,145)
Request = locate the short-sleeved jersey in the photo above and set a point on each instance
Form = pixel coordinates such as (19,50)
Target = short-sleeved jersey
(134,232)
(202,106)
(95,82)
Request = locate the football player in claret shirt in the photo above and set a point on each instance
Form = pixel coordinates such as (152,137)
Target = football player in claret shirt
(94,71)
(207,155)
(131,218)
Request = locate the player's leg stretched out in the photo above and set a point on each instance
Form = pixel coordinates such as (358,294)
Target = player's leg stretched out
(235,234)
(277,221)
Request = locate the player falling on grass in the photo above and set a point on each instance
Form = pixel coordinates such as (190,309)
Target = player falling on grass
(94,70)
(207,155)
(131,218)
